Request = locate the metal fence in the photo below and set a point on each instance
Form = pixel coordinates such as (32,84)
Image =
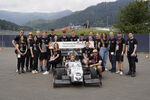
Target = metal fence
(143,41)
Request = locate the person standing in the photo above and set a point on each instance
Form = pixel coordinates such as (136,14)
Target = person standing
(21,48)
(17,38)
(73,37)
(51,35)
(64,37)
(34,54)
(104,49)
(28,55)
(112,52)
(43,46)
(97,42)
(120,49)
(131,48)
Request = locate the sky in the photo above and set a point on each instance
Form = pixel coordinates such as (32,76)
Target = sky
(47,5)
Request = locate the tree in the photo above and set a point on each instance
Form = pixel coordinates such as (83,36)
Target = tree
(135,17)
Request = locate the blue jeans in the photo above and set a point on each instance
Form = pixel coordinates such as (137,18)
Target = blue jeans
(104,53)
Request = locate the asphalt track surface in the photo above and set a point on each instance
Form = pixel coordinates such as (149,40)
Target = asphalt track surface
(39,87)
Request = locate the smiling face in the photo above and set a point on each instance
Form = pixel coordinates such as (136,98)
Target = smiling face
(72,58)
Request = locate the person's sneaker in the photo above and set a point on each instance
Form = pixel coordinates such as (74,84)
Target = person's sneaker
(33,72)
(16,70)
(133,75)
(129,73)
(117,72)
(36,71)
(45,73)
(106,69)
(121,73)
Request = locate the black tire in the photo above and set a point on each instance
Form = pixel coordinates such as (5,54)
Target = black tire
(59,72)
(93,73)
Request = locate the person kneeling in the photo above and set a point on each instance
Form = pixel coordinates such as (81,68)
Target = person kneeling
(96,61)
(55,58)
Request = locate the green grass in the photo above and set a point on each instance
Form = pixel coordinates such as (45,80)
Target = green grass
(79,31)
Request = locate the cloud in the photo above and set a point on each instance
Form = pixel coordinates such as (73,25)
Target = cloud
(47,5)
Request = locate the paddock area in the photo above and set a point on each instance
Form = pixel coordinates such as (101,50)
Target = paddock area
(30,86)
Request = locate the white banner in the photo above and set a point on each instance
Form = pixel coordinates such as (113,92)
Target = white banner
(73,45)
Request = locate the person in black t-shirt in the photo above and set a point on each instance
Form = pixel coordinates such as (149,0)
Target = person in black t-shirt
(28,55)
(112,51)
(131,48)
(38,35)
(43,46)
(34,54)
(73,37)
(55,58)
(120,49)
(56,38)
(96,61)
(104,48)
(81,39)
(97,42)
(64,37)
(86,53)
(51,35)
(17,38)
(21,47)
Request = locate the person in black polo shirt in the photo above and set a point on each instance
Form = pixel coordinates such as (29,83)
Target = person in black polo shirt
(86,53)
(120,49)
(64,37)
(131,47)
(43,46)
(73,37)
(112,51)
(96,61)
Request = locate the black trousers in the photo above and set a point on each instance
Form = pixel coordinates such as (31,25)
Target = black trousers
(20,63)
(53,63)
(112,59)
(29,60)
(35,60)
(132,64)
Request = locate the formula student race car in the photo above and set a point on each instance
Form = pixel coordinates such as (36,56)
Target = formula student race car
(74,73)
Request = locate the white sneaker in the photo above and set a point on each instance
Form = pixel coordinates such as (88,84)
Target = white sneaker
(36,71)
(118,72)
(16,70)
(106,69)
(33,72)
(45,73)
(121,73)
